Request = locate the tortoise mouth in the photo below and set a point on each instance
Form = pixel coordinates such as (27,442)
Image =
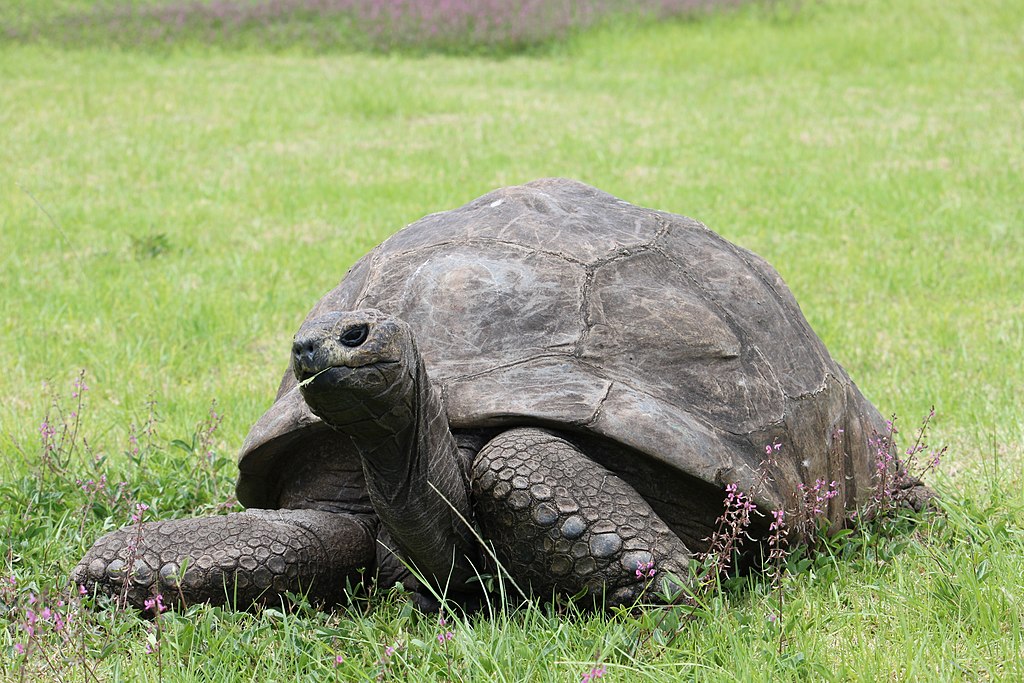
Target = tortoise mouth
(309,379)
(341,395)
(372,377)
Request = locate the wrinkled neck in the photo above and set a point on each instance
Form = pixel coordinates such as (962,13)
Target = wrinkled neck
(416,480)
(400,450)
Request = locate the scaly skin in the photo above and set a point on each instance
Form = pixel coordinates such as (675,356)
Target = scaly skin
(563,523)
(242,559)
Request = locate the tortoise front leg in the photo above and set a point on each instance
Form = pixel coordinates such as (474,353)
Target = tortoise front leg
(241,558)
(564,523)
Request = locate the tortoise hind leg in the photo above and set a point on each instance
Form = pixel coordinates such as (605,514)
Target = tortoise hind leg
(563,523)
(241,558)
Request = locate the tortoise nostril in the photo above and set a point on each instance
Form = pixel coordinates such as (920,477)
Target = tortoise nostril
(355,335)
(303,351)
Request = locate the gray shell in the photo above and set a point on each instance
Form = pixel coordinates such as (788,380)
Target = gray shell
(555,303)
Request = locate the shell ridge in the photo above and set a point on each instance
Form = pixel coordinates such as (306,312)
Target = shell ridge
(498,240)
(478,239)
(586,312)
(776,384)
(600,406)
(506,366)
(435,245)
(371,274)
(619,382)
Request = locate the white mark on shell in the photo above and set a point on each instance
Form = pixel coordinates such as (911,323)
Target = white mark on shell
(497,202)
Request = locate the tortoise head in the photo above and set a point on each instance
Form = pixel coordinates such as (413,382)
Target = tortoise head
(357,366)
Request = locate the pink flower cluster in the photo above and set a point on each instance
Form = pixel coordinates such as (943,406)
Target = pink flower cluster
(815,497)
(738,507)
(80,386)
(645,570)
(38,616)
(445,634)
(730,531)
(155,604)
(895,478)
(140,511)
(47,433)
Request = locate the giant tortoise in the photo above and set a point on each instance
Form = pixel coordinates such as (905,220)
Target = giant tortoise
(549,380)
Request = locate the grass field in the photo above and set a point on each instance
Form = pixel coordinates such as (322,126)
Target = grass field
(168,216)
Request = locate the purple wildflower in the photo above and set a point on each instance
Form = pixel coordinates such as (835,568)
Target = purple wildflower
(385,23)
(140,509)
(815,497)
(80,386)
(645,570)
(730,531)
(48,436)
(155,604)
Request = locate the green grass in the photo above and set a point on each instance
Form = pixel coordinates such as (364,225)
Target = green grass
(167,219)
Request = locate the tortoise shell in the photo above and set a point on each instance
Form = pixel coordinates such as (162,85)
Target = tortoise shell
(556,304)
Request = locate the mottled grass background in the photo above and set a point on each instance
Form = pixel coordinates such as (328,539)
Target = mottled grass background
(172,205)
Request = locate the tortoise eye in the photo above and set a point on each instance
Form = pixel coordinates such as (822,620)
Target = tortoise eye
(354,336)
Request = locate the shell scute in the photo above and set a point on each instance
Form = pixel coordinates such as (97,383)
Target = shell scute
(561,388)
(475,306)
(651,328)
(755,301)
